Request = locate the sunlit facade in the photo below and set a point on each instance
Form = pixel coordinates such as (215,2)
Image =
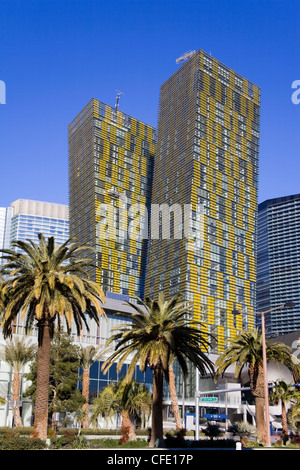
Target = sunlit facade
(110,169)
(207,160)
(30,217)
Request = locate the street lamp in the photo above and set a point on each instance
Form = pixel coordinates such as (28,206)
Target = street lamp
(266,390)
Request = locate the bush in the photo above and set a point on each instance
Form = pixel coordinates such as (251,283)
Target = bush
(97,431)
(103,443)
(176,438)
(21,443)
(69,432)
(242,429)
(64,442)
(251,444)
(212,430)
(80,442)
(108,443)
(5,430)
(295,439)
(136,444)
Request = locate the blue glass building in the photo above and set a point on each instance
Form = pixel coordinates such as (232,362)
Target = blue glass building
(5,225)
(29,218)
(278,263)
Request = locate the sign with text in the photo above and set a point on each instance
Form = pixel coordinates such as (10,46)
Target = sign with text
(215,417)
(210,399)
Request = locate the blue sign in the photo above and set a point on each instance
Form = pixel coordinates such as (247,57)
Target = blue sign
(215,417)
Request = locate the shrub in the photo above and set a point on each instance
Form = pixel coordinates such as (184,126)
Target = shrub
(136,444)
(176,438)
(80,442)
(103,443)
(251,444)
(212,430)
(64,442)
(69,432)
(5,430)
(295,439)
(97,431)
(108,443)
(21,443)
(243,429)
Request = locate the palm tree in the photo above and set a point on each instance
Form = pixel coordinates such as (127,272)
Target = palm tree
(47,283)
(17,354)
(159,330)
(87,357)
(294,416)
(142,402)
(128,398)
(285,393)
(246,350)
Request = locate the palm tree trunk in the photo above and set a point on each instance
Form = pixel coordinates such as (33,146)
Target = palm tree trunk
(54,408)
(260,419)
(85,393)
(174,400)
(284,419)
(257,388)
(128,424)
(42,387)
(157,409)
(15,397)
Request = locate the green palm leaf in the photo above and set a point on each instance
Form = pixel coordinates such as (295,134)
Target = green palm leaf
(45,283)
(159,331)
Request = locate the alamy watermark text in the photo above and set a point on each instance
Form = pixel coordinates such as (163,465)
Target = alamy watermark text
(296,93)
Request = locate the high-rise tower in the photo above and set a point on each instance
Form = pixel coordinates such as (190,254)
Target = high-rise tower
(278,262)
(206,172)
(5,224)
(110,173)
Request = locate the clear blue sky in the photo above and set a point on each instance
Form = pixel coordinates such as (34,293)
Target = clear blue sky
(55,55)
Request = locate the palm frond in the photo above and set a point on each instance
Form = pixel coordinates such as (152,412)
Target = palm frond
(47,281)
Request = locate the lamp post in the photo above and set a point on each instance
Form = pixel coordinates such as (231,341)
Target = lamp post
(264,351)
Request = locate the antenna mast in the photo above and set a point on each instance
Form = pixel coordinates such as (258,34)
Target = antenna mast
(118,97)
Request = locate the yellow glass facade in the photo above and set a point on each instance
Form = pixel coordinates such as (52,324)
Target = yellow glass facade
(110,167)
(207,157)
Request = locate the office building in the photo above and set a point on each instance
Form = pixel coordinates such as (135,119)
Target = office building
(110,173)
(29,218)
(5,224)
(25,218)
(206,172)
(278,263)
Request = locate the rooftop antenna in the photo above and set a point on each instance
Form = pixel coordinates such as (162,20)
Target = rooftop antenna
(118,97)
(185,56)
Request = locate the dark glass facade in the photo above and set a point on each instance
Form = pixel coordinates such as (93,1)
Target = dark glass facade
(98,380)
(278,263)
